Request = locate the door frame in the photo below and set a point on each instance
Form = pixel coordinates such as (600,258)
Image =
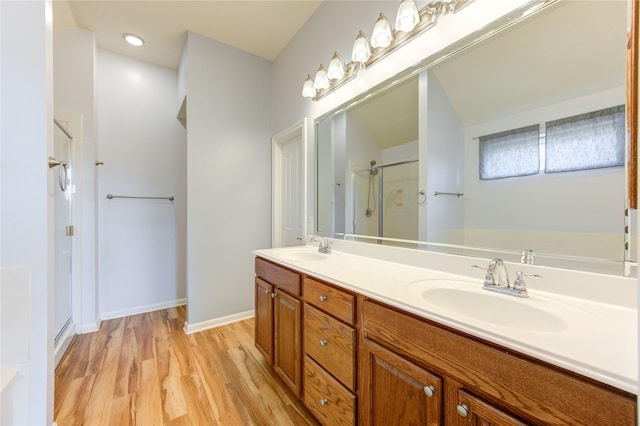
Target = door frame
(73,121)
(298,129)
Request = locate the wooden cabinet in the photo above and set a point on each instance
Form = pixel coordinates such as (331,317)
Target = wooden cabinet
(330,353)
(286,342)
(396,391)
(355,361)
(278,319)
(485,384)
(264,319)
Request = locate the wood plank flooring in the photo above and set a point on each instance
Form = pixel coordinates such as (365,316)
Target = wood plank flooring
(143,370)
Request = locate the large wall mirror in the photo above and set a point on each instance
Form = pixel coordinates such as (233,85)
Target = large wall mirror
(438,159)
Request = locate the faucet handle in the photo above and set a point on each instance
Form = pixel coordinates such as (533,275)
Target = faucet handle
(489,278)
(519,283)
(528,257)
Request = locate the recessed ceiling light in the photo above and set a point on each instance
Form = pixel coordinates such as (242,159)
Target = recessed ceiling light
(133,39)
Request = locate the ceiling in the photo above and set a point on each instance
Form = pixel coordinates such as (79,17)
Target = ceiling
(551,57)
(262,28)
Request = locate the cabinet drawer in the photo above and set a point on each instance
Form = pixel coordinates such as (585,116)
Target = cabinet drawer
(331,343)
(279,276)
(329,401)
(336,302)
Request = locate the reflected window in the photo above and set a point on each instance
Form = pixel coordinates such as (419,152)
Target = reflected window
(511,153)
(586,141)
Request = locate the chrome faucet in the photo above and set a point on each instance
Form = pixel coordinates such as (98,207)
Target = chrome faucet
(497,274)
(324,246)
(497,279)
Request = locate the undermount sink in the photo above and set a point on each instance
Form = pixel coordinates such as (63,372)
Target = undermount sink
(304,255)
(466,299)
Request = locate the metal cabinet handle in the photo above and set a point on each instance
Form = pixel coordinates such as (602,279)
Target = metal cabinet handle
(324,401)
(463,410)
(273,295)
(429,390)
(323,298)
(266,290)
(324,342)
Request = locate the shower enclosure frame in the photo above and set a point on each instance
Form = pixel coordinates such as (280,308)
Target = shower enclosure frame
(380,200)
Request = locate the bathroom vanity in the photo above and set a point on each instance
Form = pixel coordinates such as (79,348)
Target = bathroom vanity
(366,341)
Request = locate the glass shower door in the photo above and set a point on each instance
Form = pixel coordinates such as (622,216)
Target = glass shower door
(62,228)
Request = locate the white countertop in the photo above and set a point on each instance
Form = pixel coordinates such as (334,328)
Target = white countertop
(605,349)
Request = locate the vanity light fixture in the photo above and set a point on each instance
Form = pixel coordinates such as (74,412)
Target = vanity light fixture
(410,22)
(133,39)
(382,34)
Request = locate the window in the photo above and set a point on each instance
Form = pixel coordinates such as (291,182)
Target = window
(587,141)
(510,153)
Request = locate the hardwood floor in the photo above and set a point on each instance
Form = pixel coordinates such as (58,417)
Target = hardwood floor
(143,370)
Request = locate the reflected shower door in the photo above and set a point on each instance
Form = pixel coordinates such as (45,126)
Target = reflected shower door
(384,201)
(62,230)
(365,202)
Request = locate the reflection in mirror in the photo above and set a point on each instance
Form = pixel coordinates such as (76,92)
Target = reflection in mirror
(382,162)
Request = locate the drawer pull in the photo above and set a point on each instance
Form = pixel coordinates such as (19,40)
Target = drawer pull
(462,410)
(324,401)
(273,295)
(324,342)
(323,298)
(429,390)
(266,290)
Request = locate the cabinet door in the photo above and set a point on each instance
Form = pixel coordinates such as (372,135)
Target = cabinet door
(264,319)
(396,391)
(287,348)
(476,412)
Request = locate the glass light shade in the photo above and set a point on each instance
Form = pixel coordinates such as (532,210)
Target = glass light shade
(361,49)
(308,91)
(336,67)
(408,16)
(382,36)
(322,79)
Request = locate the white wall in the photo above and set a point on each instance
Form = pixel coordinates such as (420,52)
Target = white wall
(229,177)
(26,211)
(444,163)
(74,90)
(142,144)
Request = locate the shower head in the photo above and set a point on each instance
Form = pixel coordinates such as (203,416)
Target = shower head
(373,171)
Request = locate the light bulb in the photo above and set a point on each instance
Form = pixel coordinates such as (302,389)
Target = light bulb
(307,88)
(361,49)
(336,67)
(381,36)
(408,16)
(322,79)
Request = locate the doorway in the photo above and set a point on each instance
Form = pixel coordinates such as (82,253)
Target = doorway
(289,187)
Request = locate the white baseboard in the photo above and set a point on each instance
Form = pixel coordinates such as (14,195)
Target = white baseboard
(217,322)
(142,309)
(90,327)
(63,343)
